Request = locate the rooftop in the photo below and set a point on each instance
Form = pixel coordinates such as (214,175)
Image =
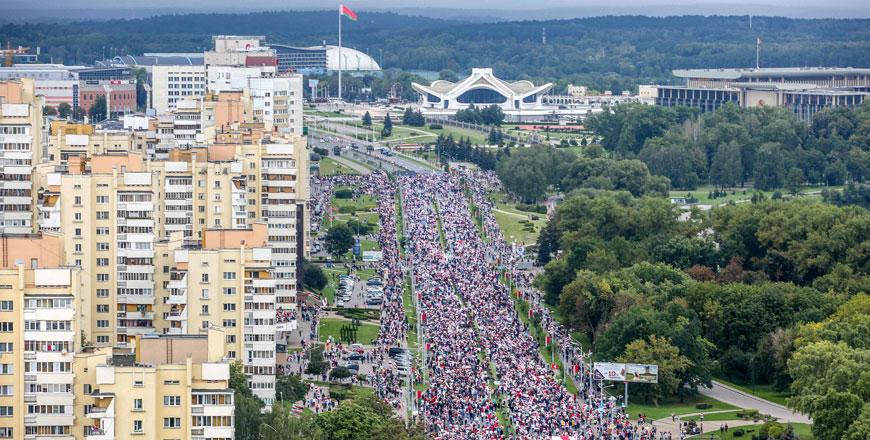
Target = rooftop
(768,71)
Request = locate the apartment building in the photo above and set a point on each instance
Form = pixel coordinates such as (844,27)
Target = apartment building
(283,190)
(162,387)
(39,335)
(20,150)
(277,102)
(171,84)
(107,206)
(225,283)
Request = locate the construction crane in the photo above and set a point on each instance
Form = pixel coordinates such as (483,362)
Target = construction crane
(9,53)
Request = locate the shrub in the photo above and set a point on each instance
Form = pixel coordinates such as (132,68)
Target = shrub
(347,209)
(344,193)
(435,126)
(540,209)
(703,405)
(340,373)
(339,393)
(738,433)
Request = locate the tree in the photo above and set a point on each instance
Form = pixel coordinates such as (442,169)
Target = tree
(794,180)
(247,417)
(64,110)
(349,422)
(495,137)
(658,351)
(834,413)
(247,405)
(726,171)
(97,111)
(290,388)
(367,119)
(141,93)
(281,424)
(339,239)
(674,157)
(340,373)
(448,75)
(387,131)
(313,276)
(78,114)
(49,111)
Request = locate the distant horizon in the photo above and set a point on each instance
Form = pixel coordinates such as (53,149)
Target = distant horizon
(40,10)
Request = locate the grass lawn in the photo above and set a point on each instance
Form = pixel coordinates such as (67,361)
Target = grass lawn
(671,406)
(410,314)
(366,333)
(745,194)
(365,274)
(763,391)
(329,167)
(714,417)
(514,222)
(363,202)
(803,431)
(332,283)
(476,137)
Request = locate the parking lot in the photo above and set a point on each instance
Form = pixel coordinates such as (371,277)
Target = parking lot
(356,293)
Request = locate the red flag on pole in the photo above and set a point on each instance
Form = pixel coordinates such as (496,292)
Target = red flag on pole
(548,340)
(344,10)
(530,313)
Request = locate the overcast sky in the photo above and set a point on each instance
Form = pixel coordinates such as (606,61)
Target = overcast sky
(795,8)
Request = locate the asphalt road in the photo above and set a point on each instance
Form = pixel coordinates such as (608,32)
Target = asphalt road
(372,158)
(740,399)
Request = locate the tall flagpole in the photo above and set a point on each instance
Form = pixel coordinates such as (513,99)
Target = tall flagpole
(339,53)
(757,51)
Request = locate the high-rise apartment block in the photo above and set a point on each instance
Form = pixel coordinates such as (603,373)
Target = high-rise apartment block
(140,256)
(20,149)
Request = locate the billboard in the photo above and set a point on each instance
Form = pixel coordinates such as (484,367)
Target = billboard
(608,371)
(642,373)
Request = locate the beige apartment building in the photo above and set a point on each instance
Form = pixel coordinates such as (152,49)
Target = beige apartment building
(226,283)
(20,150)
(39,336)
(168,387)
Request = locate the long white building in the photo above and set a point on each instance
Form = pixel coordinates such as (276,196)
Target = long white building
(482,88)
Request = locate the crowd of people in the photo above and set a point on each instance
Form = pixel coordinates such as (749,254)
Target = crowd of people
(485,376)
(471,322)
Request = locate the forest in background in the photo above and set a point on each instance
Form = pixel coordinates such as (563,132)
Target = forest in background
(606,53)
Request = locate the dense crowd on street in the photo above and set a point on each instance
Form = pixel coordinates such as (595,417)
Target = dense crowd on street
(486,377)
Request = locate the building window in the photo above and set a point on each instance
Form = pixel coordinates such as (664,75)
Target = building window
(171,400)
(6,306)
(102,339)
(172,422)
(229,307)
(137,426)
(205,278)
(6,411)
(231,339)
(229,275)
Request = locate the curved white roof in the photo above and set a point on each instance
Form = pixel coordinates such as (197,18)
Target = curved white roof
(482,78)
(353,59)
